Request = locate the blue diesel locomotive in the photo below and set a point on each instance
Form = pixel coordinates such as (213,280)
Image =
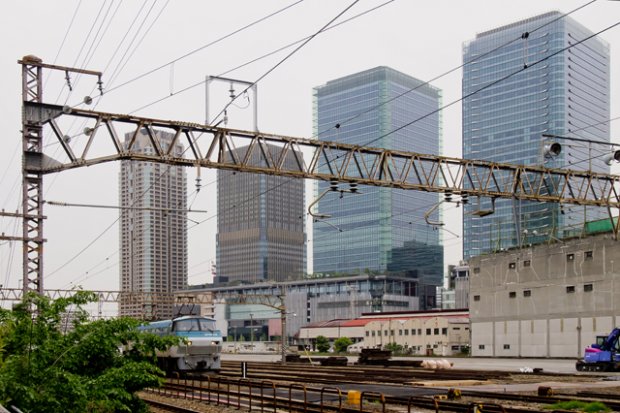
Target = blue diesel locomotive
(199,350)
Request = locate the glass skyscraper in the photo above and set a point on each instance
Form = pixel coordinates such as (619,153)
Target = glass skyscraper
(379,229)
(518,84)
(260,226)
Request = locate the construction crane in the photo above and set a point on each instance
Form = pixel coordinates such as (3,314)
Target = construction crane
(230,149)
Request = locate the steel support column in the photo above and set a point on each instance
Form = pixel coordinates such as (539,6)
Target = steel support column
(32,181)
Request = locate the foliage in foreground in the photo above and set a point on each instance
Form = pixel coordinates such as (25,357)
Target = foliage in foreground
(592,407)
(50,364)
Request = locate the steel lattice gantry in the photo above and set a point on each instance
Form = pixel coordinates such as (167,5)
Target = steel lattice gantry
(230,149)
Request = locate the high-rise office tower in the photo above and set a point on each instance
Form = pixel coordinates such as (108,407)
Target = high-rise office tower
(260,223)
(379,229)
(153,230)
(519,84)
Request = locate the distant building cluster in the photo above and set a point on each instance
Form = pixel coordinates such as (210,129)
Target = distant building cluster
(533,94)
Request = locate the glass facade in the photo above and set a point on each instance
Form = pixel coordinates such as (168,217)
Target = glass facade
(260,227)
(565,95)
(379,229)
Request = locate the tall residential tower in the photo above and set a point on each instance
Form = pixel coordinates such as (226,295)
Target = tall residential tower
(153,231)
(520,82)
(378,229)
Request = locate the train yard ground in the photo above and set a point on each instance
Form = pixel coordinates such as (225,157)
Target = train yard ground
(491,385)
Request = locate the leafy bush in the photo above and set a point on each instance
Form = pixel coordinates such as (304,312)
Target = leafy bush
(322,344)
(394,348)
(341,344)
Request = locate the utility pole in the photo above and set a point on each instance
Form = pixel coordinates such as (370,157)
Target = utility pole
(283,336)
(252,332)
(33,120)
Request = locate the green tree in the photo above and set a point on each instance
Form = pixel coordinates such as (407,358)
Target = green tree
(341,344)
(394,348)
(322,344)
(50,364)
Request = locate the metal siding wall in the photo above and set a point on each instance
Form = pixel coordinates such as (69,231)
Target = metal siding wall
(534,338)
(482,334)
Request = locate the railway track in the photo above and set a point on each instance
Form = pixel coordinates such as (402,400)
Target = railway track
(359,374)
(267,396)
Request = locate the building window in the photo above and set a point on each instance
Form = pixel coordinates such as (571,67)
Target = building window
(527,263)
(379,333)
(476,298)
(428,331)
(455,348)
(527,293)
(413,331)
(385,333)
(512,294)
(400,332)
(436,331)
(406,332)
(481,347)
(588,255)
(588,288)
(373,333)
(570,257)
(419,331)
(512,265)
(444,331)
(367,333)
(570,289)
(506,346)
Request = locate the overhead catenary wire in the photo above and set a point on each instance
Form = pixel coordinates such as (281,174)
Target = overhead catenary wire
(455,102)
(247,26)
(107,229)
(121,64)
(64,39)
(259,79)
(305,42)
(142,38)
(493,83)
(202,82)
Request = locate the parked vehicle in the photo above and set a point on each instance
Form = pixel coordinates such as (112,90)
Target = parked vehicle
(200,347)
(604,355)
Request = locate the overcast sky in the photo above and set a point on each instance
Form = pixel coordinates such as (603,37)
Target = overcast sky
(421,38)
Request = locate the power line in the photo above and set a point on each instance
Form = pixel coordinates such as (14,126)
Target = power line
(428,82)
(489,85)
(144,36)
(64,39)
(305,42)
(202,82)
(493,83)
(120,63)
(202,47)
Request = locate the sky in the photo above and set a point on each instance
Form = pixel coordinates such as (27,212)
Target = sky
(128,39)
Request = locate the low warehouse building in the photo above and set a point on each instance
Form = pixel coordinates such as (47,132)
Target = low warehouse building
(545,300)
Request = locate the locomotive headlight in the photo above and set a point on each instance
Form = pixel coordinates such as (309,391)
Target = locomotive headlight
(189,342)
(215,343)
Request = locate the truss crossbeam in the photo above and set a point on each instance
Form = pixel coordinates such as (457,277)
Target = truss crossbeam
(257,152)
